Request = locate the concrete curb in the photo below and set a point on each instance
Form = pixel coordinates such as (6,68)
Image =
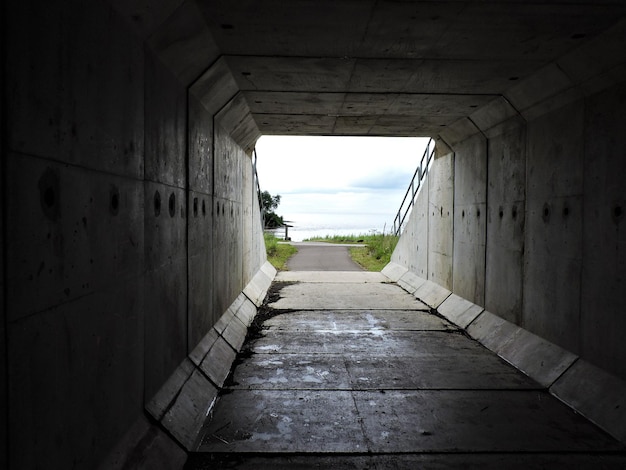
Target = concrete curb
(595,394)
(587,389)
(459,311)
(394,271)
(187,397)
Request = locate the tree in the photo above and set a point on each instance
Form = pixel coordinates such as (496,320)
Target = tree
(268,204)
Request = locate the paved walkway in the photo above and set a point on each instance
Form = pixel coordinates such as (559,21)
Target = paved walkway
(350,371)
(320,256)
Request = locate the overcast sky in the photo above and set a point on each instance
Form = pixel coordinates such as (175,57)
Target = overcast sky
(333,177)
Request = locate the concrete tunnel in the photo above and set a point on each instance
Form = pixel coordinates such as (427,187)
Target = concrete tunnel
(130,223)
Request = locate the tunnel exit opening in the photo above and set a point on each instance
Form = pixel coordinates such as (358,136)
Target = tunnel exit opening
(332,185)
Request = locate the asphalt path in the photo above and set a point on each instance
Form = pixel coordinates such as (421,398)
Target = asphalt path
(312,256)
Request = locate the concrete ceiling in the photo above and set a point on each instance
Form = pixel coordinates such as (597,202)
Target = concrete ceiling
(390,67)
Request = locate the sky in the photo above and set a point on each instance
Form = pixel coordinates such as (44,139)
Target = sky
(338,182)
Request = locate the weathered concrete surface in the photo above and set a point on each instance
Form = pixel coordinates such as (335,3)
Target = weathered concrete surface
(353,296)
(107,287)
(350,383)
(470,219)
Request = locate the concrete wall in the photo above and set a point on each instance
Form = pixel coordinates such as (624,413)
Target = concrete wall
(543,166)
(118,260)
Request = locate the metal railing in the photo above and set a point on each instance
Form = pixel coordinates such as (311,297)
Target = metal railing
(414,187)
(258,189)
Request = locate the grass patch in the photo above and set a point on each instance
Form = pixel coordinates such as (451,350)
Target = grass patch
(375,254)
(278,253)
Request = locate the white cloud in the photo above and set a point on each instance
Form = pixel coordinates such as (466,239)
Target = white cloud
(363,178)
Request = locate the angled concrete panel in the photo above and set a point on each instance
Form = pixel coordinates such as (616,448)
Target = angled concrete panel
(224,320)
(593,66)
(66,375)
(268,269)
(235,333)
(202,348)
(246,312)
(187,414)
(543,361)
(595,394)
(215,87)
(491,330)
(256,289)
(148,443)
(410,282)
(163,399)
(145,18)
(218,362)
(394,271)
(432,294)
(184,43)
(459,311)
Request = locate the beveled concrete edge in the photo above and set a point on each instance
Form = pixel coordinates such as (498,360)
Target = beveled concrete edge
(432,294)
(177,388)
(139,443)
(186,416)
(459,311)
(410,282)
(260,283)
(162,400)
(394,271)
(587,389)
(597,395)
(538,358)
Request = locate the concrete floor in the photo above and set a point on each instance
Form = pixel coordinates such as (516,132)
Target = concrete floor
(350,371)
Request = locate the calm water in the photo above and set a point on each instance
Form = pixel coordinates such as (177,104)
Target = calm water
(320,225)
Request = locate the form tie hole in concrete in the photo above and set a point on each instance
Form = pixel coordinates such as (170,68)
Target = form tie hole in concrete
(618,213)
(218,208)
(49,197)
(545,215)
(477,212)
(172,205)
(565,211)
(501,212)
(203,208)
(49,194)
(114,205)
(463,214)
(195,207)
(514,213)
(157,203)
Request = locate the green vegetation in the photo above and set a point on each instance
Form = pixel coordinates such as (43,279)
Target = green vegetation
(375,253)
(268,204)
(278,253)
